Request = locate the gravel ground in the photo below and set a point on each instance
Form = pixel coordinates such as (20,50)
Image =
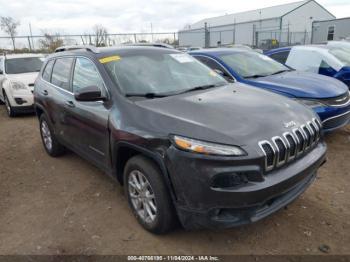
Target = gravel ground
(67,206)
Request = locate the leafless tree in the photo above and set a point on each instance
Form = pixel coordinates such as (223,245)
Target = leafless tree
(51,41)
(100,35)
(9,26)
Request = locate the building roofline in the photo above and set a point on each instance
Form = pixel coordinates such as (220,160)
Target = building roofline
(330,20)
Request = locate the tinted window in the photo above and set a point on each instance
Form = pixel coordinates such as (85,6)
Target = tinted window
(48,70)
(23,65)
(280,57)
(85,74)
(61,72)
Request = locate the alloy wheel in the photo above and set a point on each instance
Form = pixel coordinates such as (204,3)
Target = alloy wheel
(46,134)
(142,196)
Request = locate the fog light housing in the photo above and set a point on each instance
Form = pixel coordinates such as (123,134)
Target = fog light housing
(20,101)
(229,180)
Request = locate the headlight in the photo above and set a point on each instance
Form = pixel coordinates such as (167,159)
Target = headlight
(17,85)
(310,103)
(206,148)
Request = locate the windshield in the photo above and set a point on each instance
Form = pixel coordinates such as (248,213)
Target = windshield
(342,54)
(161,73)
(250,64)
(23,65)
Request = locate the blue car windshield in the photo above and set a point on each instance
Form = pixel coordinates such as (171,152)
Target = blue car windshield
(252,64)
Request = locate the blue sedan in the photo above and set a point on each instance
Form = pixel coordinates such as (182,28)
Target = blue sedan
(331,60)
(328,97)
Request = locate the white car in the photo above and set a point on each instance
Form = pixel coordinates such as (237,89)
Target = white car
(17,76)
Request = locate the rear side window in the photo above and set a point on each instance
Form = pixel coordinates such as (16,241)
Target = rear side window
(61,73)
(280,57)
(86,74)
(48,70)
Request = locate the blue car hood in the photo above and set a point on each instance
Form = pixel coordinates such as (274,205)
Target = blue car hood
(304,85)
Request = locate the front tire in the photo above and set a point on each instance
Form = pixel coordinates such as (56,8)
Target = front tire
(9,108)
(50,142)
(148,196)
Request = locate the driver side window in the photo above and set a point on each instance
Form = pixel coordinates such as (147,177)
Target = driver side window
(85,74)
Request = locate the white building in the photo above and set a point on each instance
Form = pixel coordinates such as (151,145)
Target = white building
(284,24)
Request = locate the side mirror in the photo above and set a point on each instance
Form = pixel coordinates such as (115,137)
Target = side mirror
(89,93)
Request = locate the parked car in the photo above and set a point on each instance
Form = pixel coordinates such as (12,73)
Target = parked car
(328,97)
(17,75)
(184,142)
(326,60)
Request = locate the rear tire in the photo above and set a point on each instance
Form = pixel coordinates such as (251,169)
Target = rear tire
(148,196)
(50,142)
(9,109)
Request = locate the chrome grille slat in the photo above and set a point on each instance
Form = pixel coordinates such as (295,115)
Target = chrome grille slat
(283,149)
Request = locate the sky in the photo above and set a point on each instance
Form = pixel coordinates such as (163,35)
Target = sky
(79,16)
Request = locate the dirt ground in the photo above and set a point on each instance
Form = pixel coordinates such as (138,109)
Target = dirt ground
(67,206)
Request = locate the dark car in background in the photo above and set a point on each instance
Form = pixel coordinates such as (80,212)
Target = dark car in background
(328,97)
(184,142)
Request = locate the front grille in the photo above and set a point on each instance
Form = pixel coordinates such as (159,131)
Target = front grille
(336,121)
(337,101)
(290,145)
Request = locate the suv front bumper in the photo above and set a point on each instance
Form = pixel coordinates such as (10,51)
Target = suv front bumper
(199,205)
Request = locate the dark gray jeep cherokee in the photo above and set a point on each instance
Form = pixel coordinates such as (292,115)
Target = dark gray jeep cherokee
(187,145)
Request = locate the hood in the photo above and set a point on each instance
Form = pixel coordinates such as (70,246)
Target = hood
(236,114)
(26,78)
(304,85)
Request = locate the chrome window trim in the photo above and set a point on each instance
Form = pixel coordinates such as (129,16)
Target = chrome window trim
(74,57)
(268,168)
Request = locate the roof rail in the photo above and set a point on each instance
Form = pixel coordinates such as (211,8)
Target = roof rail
(151,45)
(89,48)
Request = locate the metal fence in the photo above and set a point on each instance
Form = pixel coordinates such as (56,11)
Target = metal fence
(279,38)
(42,43)
(251,35)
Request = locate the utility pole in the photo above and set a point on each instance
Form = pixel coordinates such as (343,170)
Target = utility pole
(31,34)
(152,32)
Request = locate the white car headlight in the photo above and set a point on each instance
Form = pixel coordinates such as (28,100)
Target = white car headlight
(18,85)
(310,103)
(206,148)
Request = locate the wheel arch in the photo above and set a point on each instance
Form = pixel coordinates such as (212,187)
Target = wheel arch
(123,151)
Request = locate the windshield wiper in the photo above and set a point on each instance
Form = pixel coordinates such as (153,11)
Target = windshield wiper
(203,87)
(255,76)
(280,71)
(147,95)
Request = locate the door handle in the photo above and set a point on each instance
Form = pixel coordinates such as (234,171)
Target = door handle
(70,104)
(45,93)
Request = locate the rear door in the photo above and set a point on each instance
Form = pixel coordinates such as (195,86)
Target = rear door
(2,76)
(57,94)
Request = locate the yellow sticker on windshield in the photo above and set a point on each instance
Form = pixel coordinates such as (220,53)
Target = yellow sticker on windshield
(109,59)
